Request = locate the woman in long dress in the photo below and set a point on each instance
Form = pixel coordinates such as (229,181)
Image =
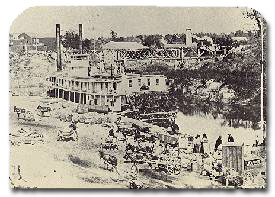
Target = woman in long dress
(205,144)
(218,143)
(197,144)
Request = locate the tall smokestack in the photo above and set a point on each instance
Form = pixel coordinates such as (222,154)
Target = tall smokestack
(80,38)
(188,37)
(58,48)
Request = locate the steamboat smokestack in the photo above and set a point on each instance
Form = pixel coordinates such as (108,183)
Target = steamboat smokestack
(80,38)
(58,48)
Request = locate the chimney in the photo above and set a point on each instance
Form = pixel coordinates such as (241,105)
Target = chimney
(58,48)
(80,39)
(188,37)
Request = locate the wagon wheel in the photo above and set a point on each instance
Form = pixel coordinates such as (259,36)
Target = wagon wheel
(170,169)
(134,169)
(59,138)
(75,136)
(177,169)
(106,165)
(150,166)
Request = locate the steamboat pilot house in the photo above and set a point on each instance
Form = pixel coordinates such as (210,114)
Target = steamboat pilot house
(86,81)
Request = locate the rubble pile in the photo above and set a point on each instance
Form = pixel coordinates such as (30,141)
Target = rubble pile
(28,74)
(87,118)
(23,136)
(151,151)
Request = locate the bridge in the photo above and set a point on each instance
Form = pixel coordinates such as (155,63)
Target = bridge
(150,54)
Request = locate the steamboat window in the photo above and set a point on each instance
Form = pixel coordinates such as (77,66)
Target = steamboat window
(139,82)
(157,82)
(114,85)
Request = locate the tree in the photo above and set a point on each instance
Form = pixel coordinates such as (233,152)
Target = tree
(239,33)
(141,38)
(259,49)
(113,35)
(70,40)
(153,41)
(225,41)
(175,38)
(255,16)
(86,43)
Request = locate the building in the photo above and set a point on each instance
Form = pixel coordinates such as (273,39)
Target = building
(49,42)
(136,83)
(240,38)
(29,42)
(188,37)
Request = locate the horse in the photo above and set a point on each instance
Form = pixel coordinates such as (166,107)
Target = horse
(134,185)
(42,110)
(110,146)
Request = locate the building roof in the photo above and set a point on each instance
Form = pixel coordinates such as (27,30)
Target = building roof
(14,36)
(207,38)
(17,42)
(30,34)
(123,45)
(178,45)
(239,38)
(175,45)
(49,42)
(214,85)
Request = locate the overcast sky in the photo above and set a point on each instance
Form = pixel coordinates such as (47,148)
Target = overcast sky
(99,21)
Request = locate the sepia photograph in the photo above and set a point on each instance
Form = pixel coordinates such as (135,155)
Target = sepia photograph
(138,97)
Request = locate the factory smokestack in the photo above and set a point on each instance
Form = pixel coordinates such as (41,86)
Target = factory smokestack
(58,48)
(80,39)
(188,37)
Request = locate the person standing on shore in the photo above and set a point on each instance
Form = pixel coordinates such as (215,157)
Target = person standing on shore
(197,144)
(218,143)
(204,144)
(230,138)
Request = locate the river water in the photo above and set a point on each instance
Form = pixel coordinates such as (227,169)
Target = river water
(215,127)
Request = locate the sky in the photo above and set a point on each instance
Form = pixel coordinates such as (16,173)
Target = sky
(127,21)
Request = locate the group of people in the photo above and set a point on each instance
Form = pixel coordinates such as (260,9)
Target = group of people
(201,144)
(230,138)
